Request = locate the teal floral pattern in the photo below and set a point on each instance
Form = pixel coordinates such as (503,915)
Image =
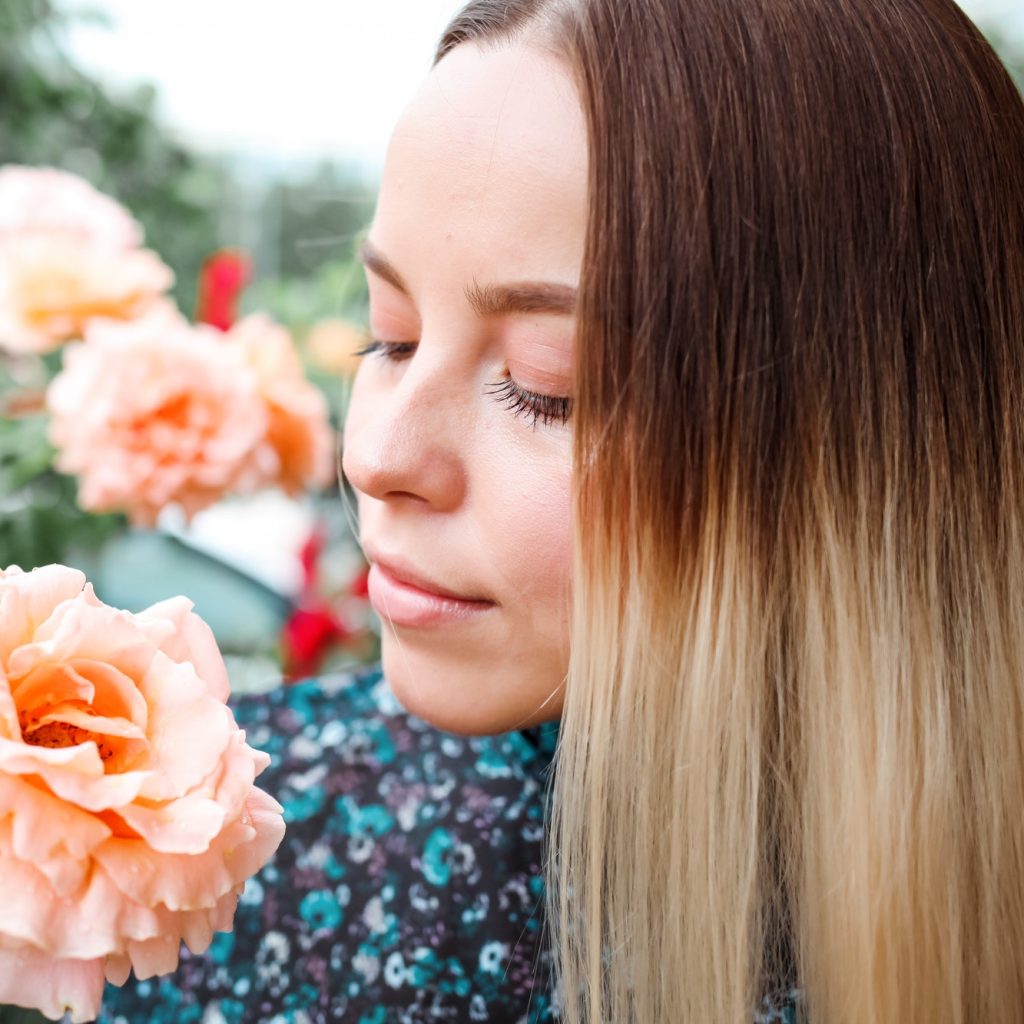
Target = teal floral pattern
(407,888)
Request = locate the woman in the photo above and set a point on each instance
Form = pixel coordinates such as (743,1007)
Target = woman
(713,310)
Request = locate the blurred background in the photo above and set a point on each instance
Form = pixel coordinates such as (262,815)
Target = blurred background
(247,138)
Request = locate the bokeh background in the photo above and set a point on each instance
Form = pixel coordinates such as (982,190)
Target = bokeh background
(256,130)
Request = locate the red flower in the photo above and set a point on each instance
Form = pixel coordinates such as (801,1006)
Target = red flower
(221,281)
(359,586)
(308,635)
(314,628)
(309,556)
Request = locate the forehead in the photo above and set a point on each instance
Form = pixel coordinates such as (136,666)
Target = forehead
(489,161)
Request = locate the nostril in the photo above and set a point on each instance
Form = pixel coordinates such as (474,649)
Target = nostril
(406,494)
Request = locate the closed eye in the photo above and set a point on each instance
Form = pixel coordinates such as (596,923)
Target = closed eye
(519,400)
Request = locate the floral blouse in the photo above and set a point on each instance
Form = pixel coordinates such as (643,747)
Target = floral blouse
(407,889)
(408,885)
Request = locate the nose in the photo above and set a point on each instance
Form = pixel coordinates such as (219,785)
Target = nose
(401,443)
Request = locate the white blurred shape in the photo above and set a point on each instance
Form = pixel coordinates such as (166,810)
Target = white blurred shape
(261,536)
(301,80)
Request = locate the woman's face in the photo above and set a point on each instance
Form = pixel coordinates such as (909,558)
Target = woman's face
(456,439)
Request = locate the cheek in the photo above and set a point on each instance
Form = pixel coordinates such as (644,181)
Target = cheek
(552,533)
(532,523)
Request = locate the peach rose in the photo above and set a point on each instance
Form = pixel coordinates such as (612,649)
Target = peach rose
(298,448)
(129,821)
(332,345)
(68,254)
(156,412)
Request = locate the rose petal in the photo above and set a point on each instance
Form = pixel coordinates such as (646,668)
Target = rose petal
(20,758)
(189,824)
(298,448)
(186,825)
(40,200)
(50,833)
(55,281)
(191,640)
(103,686)
(75,715)
(190,882)
(83,628)
(28,599)
(115,693)
(233,778)
(198,927)
(73,773)
(146,413)
(117,968)
(47,684)
(176,880)
(31,978)
(151,957)
(95,920)
(188,730)
(10,728)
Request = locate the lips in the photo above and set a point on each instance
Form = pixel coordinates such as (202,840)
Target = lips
(403,604)
(402,572)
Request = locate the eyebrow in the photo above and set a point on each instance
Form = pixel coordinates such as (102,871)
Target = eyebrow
(491,299)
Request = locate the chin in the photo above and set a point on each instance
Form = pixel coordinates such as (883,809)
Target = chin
(465,698)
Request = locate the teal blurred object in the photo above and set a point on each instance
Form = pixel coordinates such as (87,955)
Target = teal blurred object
(139,568)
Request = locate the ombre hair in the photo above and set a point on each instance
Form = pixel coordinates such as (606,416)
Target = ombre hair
(792,746)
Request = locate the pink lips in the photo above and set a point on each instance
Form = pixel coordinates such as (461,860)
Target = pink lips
(405,603)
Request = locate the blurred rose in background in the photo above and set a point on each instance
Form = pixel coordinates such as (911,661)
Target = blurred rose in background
(154,412)
(68,254)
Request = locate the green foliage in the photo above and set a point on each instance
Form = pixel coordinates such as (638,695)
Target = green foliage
(19,1015)
(40,521)
(336,289)
(319,219)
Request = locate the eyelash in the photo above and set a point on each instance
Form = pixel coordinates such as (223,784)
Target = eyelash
(546,408)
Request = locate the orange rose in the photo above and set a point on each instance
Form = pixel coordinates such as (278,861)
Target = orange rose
(156,412)
(298,448)
(128,817)
(68,254)
(332,345)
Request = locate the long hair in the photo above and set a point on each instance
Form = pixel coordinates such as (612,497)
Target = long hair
(792,746)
